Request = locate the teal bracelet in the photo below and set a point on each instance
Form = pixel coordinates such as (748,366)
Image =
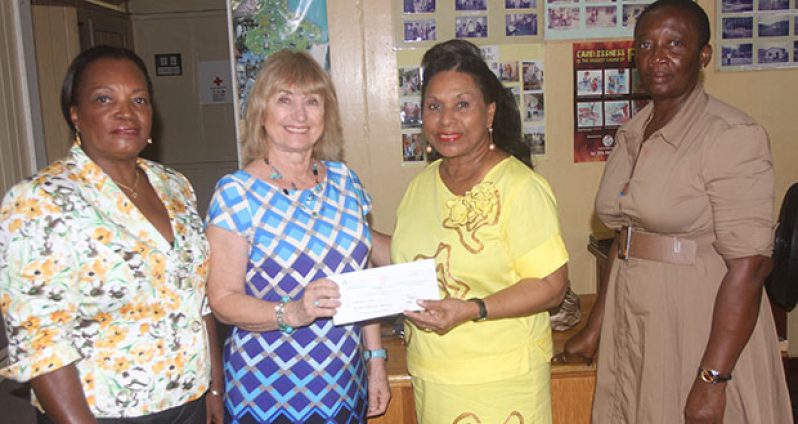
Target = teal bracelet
(375,353)
(279,312)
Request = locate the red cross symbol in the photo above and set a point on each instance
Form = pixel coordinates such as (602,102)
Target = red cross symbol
(217,81)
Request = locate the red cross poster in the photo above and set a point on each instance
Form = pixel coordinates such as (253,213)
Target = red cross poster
(606,95)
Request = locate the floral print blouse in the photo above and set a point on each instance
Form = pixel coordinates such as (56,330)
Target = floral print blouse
(85,278)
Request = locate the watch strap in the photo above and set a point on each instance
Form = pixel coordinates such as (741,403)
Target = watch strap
(483,310)
(375,353)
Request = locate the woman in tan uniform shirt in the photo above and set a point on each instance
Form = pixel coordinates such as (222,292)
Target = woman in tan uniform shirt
(686,335)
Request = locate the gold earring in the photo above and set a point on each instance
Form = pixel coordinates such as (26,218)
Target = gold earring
(149,140)
(492,146)
(78,141)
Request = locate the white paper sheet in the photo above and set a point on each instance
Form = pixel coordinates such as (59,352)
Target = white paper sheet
(384,291)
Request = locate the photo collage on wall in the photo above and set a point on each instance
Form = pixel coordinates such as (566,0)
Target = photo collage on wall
(757,34)
(583,19)
(518,67)
(607,94)
(424,22)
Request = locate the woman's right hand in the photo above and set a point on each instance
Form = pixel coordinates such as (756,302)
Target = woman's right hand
(581,347)
(319,301)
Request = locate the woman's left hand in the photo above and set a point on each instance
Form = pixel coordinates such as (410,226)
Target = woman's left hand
(441,316)
(214,408)
(705,403)
(379,391)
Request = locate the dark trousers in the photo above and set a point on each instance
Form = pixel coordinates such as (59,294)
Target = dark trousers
(189,413)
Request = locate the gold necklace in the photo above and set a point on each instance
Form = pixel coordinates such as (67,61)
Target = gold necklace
(131,190)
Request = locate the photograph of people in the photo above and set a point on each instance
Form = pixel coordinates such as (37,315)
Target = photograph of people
(601,17)
(103,264)
(292,216)
(589,82)
(490,223)
(470,4)
(533,75)
(535,138)
(517,24)
(616,81)
(519,4)
(563,18)
(421,30)
(506,71)
(533,107)
(419,6)
(409,82)
(589,114)
(630,14)
(471,26)
(737,54)
(616,113)
(681,328)
(410,114)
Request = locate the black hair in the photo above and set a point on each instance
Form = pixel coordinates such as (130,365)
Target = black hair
(465,57)
(697,14)
(74,75)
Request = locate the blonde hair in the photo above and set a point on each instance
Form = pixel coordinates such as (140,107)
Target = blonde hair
(299,71)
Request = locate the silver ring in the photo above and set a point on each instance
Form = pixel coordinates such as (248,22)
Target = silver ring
(316,303)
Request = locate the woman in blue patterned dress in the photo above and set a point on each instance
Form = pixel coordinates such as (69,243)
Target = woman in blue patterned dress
(292,216)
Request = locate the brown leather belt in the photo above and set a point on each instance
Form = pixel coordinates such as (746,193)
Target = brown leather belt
(639,244)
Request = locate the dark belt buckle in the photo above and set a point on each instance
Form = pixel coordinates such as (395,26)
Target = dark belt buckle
(623,249)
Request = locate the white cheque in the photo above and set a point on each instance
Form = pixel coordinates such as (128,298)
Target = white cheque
(384,291)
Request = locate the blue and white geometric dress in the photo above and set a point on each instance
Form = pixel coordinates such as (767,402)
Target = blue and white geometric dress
(316,374)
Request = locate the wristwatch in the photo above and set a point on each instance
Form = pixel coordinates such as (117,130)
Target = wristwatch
(711,376)
(483,311)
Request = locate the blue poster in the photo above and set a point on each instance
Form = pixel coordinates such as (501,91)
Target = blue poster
(263,27)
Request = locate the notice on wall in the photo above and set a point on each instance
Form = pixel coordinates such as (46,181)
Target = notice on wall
(214,83)
(606,94)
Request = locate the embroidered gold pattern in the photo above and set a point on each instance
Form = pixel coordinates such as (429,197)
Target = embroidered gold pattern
(447,283)
(515,417)
(479,207)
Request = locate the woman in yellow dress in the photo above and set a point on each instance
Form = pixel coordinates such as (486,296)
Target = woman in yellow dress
(481,354)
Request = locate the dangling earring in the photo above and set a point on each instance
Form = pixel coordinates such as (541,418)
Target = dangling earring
(428,148)
(149,140)
(78,141)
(492,146)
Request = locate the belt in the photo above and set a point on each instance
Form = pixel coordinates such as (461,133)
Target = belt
(639,244)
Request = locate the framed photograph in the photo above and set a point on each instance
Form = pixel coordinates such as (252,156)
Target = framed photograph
(412,147)
(768,53)
(563,18)
(517,24)
(471,5)
(533,75)
(505,71)
(774,4)
(616,113)
(419,6)
(616,81)
(533,107)
(630,14)
(589,82)
(737,54)
(519,4)
(420,30)
(773,25)
(589,114)
(535,138)
(737,6)
(410,113)
(471,27)
(738,27)
(601,17)
(409,82)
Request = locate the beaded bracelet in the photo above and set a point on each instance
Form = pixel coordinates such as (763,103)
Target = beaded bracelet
(279,312)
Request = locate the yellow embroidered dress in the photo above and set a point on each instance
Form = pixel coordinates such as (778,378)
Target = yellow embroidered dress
(86,279)
(503,230)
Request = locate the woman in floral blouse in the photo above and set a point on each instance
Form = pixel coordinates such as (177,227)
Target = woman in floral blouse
(103,264)
(481,354)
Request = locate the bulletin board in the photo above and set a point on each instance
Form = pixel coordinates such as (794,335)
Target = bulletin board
(756,34)
(422,23)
